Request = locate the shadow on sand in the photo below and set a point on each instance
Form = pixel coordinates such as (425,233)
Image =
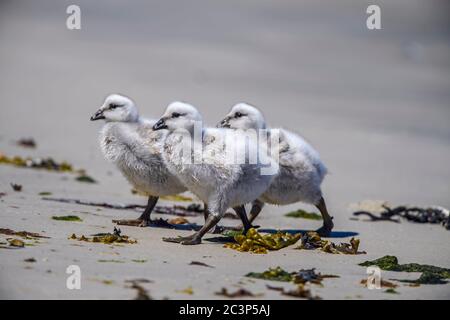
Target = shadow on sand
(225,239)
(196,227)
(334,234)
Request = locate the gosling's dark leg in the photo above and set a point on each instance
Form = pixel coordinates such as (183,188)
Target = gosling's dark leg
(196,238)
(325,229)
(257,206)
(144,220)
(205,211)
(216,229)
(240,211)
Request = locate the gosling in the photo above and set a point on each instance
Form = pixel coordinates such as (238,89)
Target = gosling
(301,171)
(218,183)
(128,141)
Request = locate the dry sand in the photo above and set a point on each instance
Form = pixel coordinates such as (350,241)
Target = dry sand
(374,103)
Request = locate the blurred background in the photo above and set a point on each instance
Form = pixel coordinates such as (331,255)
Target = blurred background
(374,103)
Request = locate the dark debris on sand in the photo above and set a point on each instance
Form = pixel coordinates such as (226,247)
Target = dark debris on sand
(434,215)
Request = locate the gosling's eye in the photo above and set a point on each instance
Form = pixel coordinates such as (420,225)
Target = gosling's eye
(112,106)
(175,115)
(238,115)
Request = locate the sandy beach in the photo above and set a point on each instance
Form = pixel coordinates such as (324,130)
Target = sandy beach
(375,104)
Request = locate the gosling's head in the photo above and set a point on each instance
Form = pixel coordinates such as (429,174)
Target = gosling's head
(117,108)
(243,116)
(178,115)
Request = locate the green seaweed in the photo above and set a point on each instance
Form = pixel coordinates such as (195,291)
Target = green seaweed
(275,274)
(430,274)
(139,260)
(67,218)
(300,277)
(426,278)
(390,290)
(85,178)
(390,263)
(304,214)
(111,260)
(44,193)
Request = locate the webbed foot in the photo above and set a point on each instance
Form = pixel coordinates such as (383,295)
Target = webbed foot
(325,230)
(193,241)
(133,222)
(178,239)
(216,230)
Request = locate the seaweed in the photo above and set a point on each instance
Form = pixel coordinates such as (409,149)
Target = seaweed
(139,280)
(391,290)
(430,274)
(241,292)
(37,163)
(198,263)
(16,187)
(299,277)
(46,164)
(188,290)
(23,234)
(390,263)
(110,260)
(106,238)
(344,248)
(434,214)
(16,243)
(31,260)
(26,143)
(426,278)
(142,293)
(303,214)
(254,242)
(44,193)
(139,260)
(310,275)
(300,292)
(67,218)
(274,274)
(311,240)
(85,178)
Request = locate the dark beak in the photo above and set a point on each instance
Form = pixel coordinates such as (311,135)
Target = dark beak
(224,123)
(161,124)
(98,115)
